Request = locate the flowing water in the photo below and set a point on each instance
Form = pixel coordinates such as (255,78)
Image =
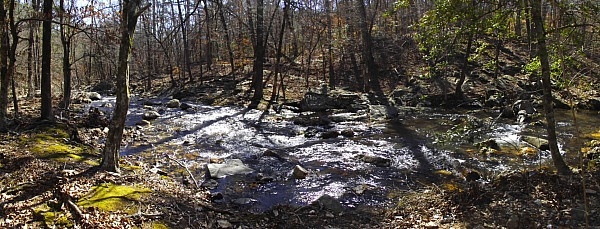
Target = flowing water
(417,144)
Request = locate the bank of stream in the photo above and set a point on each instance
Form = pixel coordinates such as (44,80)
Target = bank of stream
(362,162)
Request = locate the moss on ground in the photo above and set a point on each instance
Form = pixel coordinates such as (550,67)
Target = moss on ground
(51,142)
(111,197)
(52,218)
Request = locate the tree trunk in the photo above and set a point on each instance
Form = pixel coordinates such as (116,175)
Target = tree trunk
(259,56)
(46,85)
(66,63)
(367,48)
(332,81)
(130,13)
(464,68)
(4,79)
(542,53)
(227,38)
(12,55)
(274,92)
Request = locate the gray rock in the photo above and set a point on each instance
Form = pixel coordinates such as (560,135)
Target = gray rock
(375,160)
(230,167)
(348,133)
(94,96)
(150,115)
(185,106)
(173,103)
(537,142)
(299,172)
(329,203)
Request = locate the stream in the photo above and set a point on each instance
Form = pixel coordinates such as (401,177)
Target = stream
(412,147)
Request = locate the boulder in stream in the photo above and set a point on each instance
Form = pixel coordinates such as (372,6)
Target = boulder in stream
(173,103)
(150,115)
(330,134)
(230,167)
(537,142)
(300,172)
(94,96)
(329,203)
(375,160)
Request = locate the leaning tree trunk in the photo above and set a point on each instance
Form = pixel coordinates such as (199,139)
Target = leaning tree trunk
(542,53)
(130,13)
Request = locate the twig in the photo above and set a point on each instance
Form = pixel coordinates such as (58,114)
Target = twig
(186,169)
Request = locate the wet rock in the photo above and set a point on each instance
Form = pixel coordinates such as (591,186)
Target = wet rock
(143,122)
(329,203)
(185,106)
(337,99)
(311,121)
(375,160)
(490,143)
(243,201)
(150,115)
(230,167)
(330,134)
(210,184)
(299,172)
(262,178)
(271,153)
(347,133)
(216,197)
(348,117)
(173,103)
(381,112)
(537,142)
(361,189)
(310,132)
(94,96)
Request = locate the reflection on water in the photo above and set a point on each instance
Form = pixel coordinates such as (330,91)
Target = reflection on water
(204,132)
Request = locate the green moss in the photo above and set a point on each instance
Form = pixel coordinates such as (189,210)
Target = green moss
(50,142)
(443,172)
(110,197)
(52,218)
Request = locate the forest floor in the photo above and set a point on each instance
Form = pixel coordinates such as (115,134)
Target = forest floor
(48,180)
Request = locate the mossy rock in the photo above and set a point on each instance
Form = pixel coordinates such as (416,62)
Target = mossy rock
(111,197)
(51,142)
(52,218)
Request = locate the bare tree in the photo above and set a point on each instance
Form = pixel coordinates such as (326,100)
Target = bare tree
(131,10)
(46,85)
(542,53)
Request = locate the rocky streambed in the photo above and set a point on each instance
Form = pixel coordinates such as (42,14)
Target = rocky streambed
(331,146)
